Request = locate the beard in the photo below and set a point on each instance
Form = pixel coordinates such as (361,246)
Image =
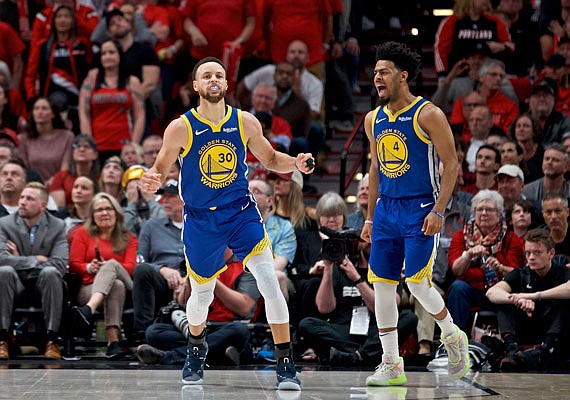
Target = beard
(382,101)
(212,98)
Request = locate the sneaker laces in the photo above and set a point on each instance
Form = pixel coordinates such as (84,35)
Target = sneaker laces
(196,362)
(384,367)
(452,346)
(286,368)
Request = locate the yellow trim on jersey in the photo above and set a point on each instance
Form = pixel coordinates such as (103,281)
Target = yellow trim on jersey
(374,115)
(417,128)
(259,247)
(392,118)
(373,278)
(241,131)
(215,128)
(425,272)
(190,137)
(200,279)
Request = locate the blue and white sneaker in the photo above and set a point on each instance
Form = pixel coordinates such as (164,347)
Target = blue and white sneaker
(193,370)
(287,375)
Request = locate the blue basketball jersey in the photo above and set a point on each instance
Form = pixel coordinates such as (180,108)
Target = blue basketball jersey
(407,160)
(213,169)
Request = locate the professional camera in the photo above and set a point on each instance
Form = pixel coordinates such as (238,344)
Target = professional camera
(180,321)
(340,244)
(164,314)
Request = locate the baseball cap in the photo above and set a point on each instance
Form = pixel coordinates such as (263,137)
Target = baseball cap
(170,186)
(545,86)
(510,170)
(294,176)
(133,172)
(9,134)
(110,14)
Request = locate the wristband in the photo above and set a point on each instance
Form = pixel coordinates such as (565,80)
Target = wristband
(437,213)
(368,222)
(358,281)
(465,256)
(89,269)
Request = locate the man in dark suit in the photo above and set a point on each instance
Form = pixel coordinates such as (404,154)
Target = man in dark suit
(33,259)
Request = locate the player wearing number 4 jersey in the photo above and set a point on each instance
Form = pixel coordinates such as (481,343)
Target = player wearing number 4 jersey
(408,136)
(219,211)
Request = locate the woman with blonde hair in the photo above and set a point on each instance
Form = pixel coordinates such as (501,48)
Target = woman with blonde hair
(104,253)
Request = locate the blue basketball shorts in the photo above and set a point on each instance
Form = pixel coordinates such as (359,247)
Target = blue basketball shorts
(207,233)
(398,241)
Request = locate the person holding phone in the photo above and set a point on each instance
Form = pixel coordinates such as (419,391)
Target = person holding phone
(104,253)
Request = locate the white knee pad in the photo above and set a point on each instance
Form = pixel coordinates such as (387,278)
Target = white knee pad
(426,294)
(199,302)
(385,305)
(261,266)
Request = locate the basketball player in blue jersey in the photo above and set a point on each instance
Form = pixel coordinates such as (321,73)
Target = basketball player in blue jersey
(219,211)
(405,208)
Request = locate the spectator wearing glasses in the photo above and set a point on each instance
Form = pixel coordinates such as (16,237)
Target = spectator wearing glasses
(504,109)
(84,162)
(480,254)
(104,253)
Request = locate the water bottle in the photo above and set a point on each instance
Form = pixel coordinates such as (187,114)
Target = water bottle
(491,277)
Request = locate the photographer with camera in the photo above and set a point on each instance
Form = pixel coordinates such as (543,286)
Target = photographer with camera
(235,299)
(480,255)
(160,276)
(348,335)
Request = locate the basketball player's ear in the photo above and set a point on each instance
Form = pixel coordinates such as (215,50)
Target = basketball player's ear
(195,86)
(404,76)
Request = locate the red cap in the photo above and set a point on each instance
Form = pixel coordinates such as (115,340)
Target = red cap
(9,134)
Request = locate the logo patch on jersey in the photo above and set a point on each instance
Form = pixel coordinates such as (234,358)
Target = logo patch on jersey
(218,161)
(392,153)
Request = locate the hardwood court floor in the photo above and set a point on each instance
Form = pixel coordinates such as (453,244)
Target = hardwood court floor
(62,382)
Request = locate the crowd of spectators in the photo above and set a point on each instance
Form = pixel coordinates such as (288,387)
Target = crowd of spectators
(86,88)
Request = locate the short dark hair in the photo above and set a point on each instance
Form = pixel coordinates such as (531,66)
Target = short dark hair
(204,61)
(493,149)
(15,161)
(541,236)
(404,58)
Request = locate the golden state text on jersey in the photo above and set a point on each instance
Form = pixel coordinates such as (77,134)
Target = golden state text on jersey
(407,160)
(213,164)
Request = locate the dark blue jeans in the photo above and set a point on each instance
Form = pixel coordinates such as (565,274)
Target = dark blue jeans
(460,299)
(168,338)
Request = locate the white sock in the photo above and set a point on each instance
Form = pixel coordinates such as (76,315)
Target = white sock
(389,342)
(447,326)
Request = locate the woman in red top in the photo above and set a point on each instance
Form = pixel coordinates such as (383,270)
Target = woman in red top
(104,253)
(480,255)
(84,162)
(111,106)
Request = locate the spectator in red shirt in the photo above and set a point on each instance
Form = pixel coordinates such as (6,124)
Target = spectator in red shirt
(11,48)
(104,253)
(306,20)
(210,23)
(504,110)
(480,255)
